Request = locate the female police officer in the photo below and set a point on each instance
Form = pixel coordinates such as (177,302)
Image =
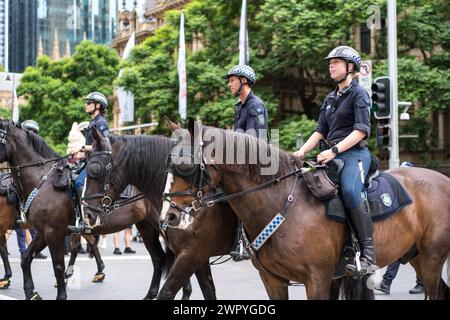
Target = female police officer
(345,122)
(96,105)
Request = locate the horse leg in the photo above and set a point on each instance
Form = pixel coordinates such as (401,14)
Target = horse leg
(56,247)
(429,269)
(36,245)
(93,242)
(205,280)
(75,238)
(5,282)
(154,248)
(318,286)
(276,289)
(180,273)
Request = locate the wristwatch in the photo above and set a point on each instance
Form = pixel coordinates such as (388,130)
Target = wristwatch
(335,150)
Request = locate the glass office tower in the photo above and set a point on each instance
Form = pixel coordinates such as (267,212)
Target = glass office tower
(32,22)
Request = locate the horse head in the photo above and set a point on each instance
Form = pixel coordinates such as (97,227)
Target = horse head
(11,136)
(101,189)
(188,178)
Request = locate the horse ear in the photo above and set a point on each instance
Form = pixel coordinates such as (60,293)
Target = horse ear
(191,126)
(97,135)
(172,125)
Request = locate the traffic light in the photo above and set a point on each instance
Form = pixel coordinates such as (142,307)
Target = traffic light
(381,98)
(383,135)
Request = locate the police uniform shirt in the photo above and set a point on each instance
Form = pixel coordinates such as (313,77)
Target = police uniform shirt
(101,124)
(343,112)
(250,115)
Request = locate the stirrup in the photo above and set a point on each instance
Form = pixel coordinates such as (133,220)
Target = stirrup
(80,228)
(21,218)
(241,254)
(361,267)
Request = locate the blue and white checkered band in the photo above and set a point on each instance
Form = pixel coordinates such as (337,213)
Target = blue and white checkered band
(268,231)
(2,136)
(24,207)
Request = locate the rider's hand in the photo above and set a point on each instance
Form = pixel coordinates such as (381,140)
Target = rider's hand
(300,153)
(326,156)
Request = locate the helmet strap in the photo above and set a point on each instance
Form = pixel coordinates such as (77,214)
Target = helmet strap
(346,74)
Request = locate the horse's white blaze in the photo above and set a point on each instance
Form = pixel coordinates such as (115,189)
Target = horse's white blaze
(166,202)
(186,221)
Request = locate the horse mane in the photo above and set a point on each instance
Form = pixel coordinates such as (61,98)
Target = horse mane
(40,146)
(253,170)
(144,159)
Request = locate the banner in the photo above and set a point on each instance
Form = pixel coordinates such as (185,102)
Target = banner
(182,96)
(126,98)
(15,113)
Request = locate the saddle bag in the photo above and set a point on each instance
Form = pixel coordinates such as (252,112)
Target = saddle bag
(63,175)
(318,181)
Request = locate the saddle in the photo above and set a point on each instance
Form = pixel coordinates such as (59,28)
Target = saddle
(66,172)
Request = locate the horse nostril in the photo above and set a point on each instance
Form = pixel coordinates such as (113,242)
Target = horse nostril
(172,217)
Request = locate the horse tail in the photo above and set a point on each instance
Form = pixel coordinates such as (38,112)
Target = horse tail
(169,260)
(353,289)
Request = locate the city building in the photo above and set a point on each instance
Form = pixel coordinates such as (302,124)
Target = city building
(35,25)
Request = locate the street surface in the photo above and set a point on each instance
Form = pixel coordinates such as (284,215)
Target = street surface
(128,278)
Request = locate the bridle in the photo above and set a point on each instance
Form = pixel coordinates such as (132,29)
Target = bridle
(96,169)
(199,178)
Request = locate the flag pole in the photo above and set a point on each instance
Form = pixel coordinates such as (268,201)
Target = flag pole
(243,36)
(182,95)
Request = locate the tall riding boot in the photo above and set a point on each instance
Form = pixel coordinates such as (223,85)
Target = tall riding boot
(361,221)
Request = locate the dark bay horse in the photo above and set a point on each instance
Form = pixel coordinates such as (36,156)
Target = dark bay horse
(142,162)
(52,210)
(8,214)
(7,219)
(307,246)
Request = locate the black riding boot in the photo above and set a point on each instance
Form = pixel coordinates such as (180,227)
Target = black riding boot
(362,223)
(238,245)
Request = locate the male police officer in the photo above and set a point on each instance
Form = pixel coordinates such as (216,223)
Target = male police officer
(250,112)
(250,118)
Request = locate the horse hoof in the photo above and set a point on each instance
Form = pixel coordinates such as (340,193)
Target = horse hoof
(34,296)
(99,277)
(4,283)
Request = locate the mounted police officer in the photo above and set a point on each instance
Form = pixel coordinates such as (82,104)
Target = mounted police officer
(250,118)
(96,106)
(250,111)
(344,122)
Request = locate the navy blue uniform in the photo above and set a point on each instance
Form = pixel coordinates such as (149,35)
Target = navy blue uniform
(101,124)
(252,115)
(343,112)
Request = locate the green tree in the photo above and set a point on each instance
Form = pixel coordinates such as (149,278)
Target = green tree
(55,89)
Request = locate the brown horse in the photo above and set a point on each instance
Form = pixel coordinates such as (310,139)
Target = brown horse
(52,210)
(8,214)
(7,219)
(142,161)
(306,248)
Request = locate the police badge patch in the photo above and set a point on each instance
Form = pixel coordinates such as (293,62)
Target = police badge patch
(261,119)
(386,199)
